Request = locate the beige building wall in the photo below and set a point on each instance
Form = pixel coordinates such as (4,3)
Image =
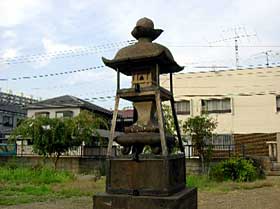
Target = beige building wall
(52,112)
(252,92)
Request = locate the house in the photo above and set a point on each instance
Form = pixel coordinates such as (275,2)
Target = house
(125,119)
(11,112)
(64,106)
(244,102)
(67,106)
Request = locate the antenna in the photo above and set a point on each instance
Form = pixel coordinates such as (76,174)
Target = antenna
(238,34)
(268,54)
(267,57)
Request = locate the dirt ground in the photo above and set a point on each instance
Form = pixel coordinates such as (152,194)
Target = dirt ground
(260,198)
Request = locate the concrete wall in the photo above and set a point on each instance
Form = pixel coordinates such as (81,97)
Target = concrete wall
(84,165)
(52,111)
(252,92)
(73,164)
(193,166)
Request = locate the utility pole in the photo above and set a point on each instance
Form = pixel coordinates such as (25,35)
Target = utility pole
(239,33)
(236,54)
(267,61)
(267,54)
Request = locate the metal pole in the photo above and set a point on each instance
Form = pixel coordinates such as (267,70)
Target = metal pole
(118,79)
(157,74)
(171,83)
(267,61)
(236,54)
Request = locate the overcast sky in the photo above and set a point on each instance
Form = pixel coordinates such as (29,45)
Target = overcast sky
(37,36)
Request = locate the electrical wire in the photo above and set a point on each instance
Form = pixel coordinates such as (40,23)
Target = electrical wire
(81,51)
(52,74)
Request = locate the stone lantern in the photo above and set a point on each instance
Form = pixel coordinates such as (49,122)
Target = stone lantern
(135,179)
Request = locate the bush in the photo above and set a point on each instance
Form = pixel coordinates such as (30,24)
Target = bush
(235,169)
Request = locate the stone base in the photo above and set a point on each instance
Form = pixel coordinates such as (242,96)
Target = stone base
(149,176)
(185,199)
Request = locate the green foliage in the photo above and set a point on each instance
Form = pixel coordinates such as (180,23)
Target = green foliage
(54,136)
(169,120)
(200,181)
(43,175)
(25,184)
(204,183)
(170,127)
(199,128)
(235,169)
(85,125)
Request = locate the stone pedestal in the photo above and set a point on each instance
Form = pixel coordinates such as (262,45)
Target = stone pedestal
(185,199)
(154,182)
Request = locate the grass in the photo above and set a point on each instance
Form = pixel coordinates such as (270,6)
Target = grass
(24,185)
(203,183)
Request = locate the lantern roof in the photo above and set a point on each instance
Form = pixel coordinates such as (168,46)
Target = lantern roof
(143,53)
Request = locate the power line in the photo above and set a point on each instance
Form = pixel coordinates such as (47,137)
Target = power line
(109,97)
(52,74)
(224,46)
(81,51)
(229,94)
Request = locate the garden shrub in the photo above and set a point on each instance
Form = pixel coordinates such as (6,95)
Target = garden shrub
(256,161)
(235,169)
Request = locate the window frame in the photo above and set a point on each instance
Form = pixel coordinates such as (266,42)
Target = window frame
(64,111)
(42,114)
(222,137)
(10,122)
(204,109)
(187,112)
(276,100)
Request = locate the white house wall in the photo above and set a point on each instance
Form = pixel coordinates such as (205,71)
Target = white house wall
(252,91)
(52,112)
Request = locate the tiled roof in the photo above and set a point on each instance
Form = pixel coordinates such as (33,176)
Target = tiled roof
(126,113)
(12,108)
(68,101)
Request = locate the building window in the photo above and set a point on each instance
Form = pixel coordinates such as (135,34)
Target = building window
(7,121)
(64,114)
(42,114)
(278,103)
(222,141)
(182,107)
(216,105)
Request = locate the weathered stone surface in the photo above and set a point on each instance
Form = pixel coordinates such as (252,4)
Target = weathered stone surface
(144,53)
(159,175)
(185,199)
(143,181)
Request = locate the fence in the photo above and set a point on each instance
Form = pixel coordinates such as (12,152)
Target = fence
(8,149)
(80,151)
(218,151)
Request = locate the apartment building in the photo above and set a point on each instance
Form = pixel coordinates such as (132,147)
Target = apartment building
(243,101)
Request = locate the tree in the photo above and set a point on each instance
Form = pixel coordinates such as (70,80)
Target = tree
(200,128)
(170,127)
(51,137)
(169,120)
